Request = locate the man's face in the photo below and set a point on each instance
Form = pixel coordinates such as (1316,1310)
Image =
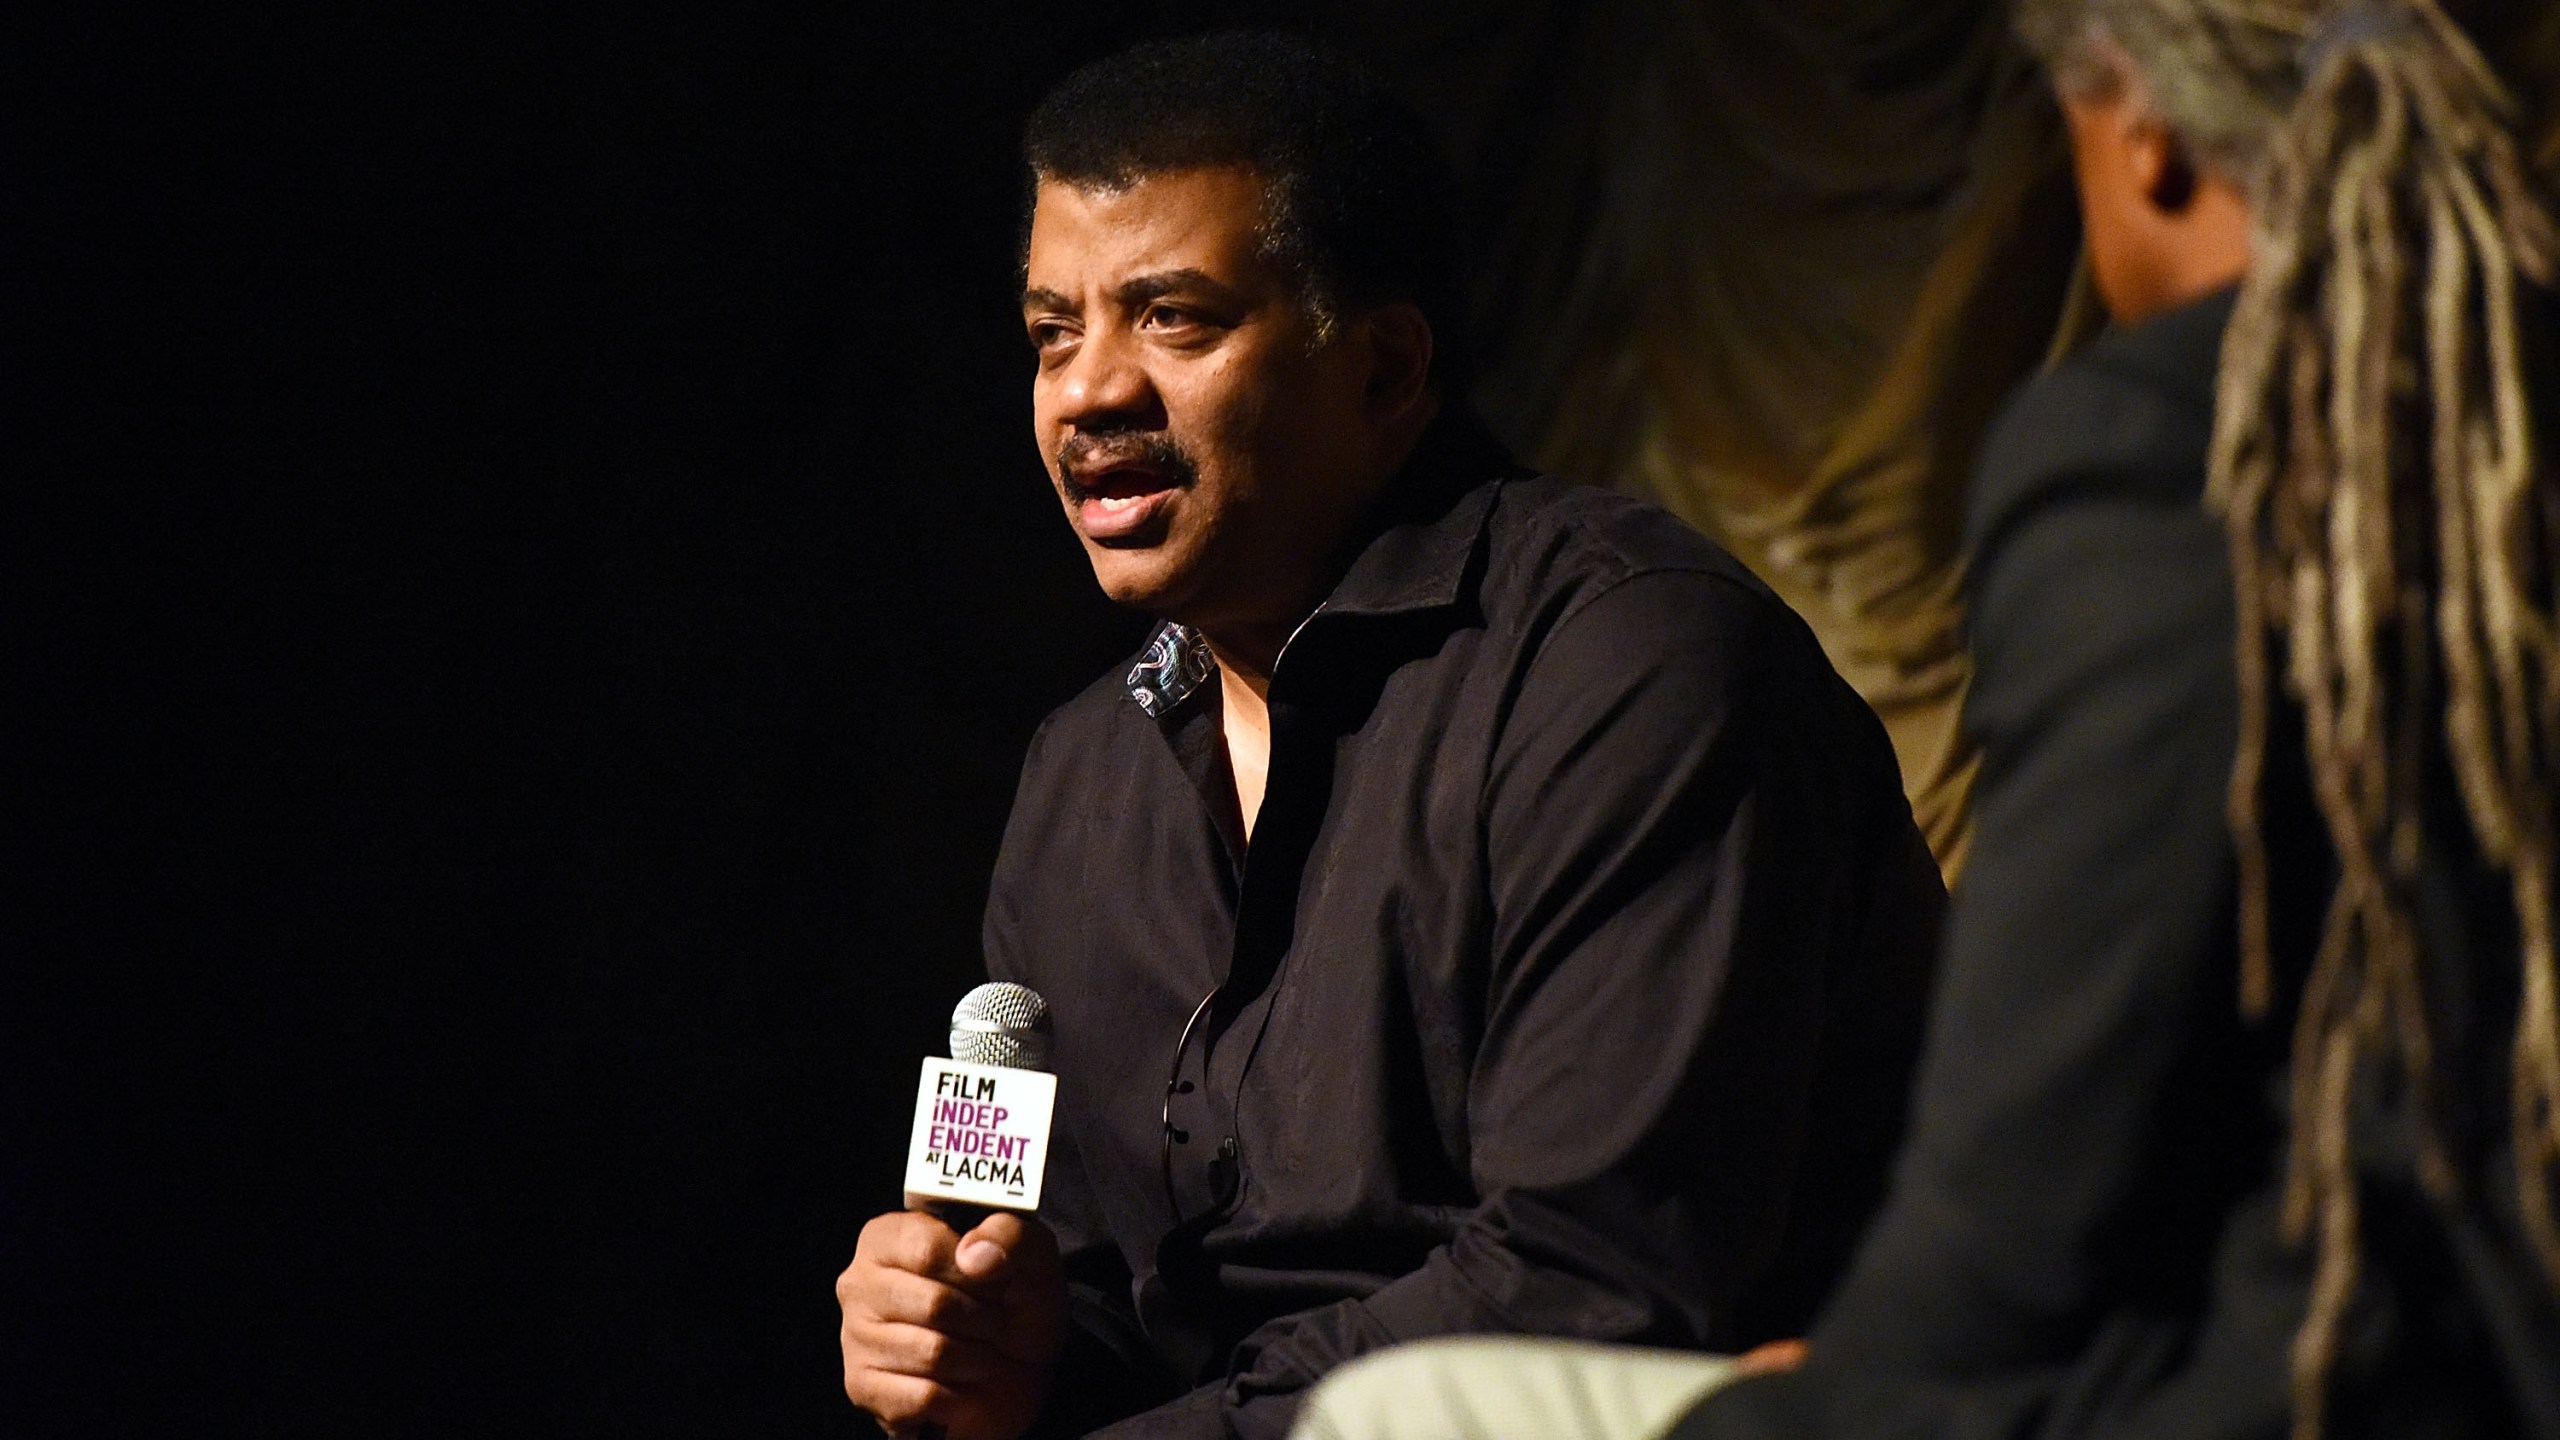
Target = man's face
(1209,451)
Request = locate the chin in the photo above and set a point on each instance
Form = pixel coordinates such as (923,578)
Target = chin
(1133,579)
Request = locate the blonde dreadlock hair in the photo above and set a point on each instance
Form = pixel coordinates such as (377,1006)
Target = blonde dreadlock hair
(2391,537)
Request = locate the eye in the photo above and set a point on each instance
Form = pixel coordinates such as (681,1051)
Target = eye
(1162,316)
(1049,338)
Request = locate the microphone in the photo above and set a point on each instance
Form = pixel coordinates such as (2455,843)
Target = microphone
(1003,1025)
(981,1138)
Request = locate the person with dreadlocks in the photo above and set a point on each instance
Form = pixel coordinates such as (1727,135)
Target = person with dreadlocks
(2241,1107)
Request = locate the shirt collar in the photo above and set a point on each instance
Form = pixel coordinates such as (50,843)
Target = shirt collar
(1421,538)
(1418,547)
(1175,663)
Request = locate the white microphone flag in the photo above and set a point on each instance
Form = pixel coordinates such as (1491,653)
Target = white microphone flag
(981,1134)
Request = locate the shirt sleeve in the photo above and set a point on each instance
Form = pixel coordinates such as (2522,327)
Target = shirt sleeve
(1679,815)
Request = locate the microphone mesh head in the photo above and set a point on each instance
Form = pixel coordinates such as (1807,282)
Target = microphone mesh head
(1002,1024)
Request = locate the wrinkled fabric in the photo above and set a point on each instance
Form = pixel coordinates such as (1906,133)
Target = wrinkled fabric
(1569,984)
(1775,265)
(2085,1233)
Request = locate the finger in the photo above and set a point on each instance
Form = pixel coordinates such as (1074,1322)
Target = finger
(1775,1357)
(1025,1292)
(956,1362)
(982,1255)
(894,1296)
(908,1240)
(1003,1244)
(903,1404)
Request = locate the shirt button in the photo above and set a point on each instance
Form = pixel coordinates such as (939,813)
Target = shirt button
(1227,1148)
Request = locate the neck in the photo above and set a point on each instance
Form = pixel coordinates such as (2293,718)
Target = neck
(1248,647)
(1247,666)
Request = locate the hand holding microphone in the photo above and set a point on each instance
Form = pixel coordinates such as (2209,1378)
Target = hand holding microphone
(954,1309)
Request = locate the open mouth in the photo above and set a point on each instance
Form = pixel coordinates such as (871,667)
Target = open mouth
(1116,503)
(1116,490)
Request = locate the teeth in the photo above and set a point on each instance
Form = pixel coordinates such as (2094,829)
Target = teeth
(1111,503)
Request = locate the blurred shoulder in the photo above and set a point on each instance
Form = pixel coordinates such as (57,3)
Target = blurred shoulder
(2129,418)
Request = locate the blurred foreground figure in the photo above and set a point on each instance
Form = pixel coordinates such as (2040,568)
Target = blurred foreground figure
(2242,1099)
(1480,908)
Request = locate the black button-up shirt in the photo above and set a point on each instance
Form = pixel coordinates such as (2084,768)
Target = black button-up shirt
(1568,986)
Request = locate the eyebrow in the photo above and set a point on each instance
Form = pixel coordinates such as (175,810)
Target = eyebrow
(1138,290)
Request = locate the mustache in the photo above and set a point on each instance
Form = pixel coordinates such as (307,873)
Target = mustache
(1087,452)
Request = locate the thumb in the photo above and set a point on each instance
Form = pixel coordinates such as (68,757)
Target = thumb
(983,1252)
(979,1258)
(1002,1244)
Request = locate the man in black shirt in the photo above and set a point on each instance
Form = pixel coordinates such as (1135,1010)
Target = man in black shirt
(2195,1155)
(1480,909)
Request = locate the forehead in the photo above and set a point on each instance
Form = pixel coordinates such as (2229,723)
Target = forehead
(1209,218)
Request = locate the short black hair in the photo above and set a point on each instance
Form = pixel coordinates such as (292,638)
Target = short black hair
(1358,204)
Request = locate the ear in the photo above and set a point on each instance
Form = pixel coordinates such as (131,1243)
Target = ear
(2163,170)
(1398,340)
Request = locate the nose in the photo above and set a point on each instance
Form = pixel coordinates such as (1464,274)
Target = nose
(1104,386)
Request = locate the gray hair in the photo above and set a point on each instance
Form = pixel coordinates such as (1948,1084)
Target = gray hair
(2394,546)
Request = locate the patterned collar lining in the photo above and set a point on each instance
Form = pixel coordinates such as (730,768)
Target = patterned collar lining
(1429,521)
(1175,664)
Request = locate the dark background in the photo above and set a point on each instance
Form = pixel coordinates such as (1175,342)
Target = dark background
(530,587)
(524,585)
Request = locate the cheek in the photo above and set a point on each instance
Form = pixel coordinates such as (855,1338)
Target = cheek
(2109,210)
(2114,258)
(1044,415)
(1223,417)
